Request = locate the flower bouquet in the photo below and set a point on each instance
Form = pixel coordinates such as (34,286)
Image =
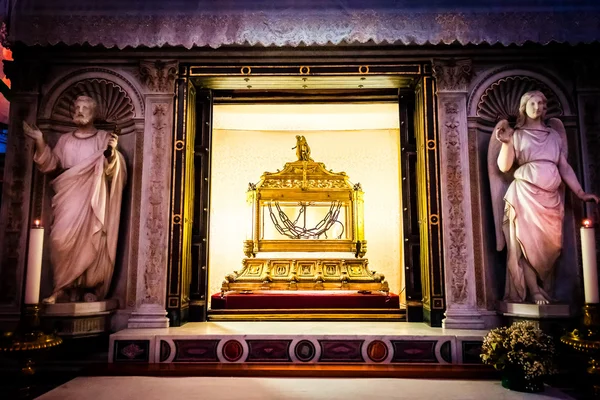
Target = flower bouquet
(523,352)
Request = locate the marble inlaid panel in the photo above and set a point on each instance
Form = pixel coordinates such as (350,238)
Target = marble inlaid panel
(196,351)
(341,350)
(165,351)
(131,351)
(305,350)
(413,351)
(471,349)
(232,350)
(268,350)
(377,351)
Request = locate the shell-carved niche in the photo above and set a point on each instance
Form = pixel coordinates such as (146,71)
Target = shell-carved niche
(114,106)
(501,100)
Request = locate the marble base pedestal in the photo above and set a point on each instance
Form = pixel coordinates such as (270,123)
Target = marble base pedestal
(79,319)
(527,310)
(149,316)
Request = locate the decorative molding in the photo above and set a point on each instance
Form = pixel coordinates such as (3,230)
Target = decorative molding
(158,76)
(310,184)
(156,228)
(452,75)
(456,236)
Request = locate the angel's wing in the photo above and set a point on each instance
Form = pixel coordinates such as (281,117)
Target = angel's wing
(499,182)
(559,127)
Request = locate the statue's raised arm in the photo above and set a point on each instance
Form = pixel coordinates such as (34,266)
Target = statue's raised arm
(499,181)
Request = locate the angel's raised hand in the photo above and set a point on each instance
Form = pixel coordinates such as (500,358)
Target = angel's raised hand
(32,132)
(504,133)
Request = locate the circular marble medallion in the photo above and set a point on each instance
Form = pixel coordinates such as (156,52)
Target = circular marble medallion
(304,350)
(377,351)
(233,350)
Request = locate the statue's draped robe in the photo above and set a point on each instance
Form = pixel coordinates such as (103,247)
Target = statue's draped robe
(534,211)
(86,208)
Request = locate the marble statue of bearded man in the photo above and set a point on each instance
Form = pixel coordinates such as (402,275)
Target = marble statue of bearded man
(86,204)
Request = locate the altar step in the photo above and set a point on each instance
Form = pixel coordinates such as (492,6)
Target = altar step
(298,343)
(306,305)
(314,314)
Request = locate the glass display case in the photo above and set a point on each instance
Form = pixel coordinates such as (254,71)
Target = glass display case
(305,209)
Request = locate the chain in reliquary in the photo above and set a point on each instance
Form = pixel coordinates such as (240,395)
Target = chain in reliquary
(293,231)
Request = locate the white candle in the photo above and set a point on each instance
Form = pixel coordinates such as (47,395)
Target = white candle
(34,264)
(590,268)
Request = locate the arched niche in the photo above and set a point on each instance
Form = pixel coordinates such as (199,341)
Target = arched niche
(495,95)
(119,104)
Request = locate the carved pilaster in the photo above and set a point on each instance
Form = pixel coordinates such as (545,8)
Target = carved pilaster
(158,78)
(452,79)
(14,213)
(455,227)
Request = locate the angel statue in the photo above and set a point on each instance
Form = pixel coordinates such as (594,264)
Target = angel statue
(302,149)
(527,166)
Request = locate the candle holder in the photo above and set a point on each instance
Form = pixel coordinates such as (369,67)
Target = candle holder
(586,340)
(28,342)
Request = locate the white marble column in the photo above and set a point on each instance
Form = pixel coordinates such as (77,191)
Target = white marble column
(152,253)
(452,79)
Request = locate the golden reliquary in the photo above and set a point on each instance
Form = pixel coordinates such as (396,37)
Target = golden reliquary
(305,209)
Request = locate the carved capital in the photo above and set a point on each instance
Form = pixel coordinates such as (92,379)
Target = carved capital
(452,75)
(158,76)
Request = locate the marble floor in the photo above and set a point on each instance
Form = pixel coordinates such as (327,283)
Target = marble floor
(154,388)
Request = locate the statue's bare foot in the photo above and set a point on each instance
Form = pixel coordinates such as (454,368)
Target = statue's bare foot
(74,297)
(90,297)
(540,299)
(52,298)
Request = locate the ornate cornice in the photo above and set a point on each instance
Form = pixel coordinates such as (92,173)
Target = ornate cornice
(452,75)
(158,76)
